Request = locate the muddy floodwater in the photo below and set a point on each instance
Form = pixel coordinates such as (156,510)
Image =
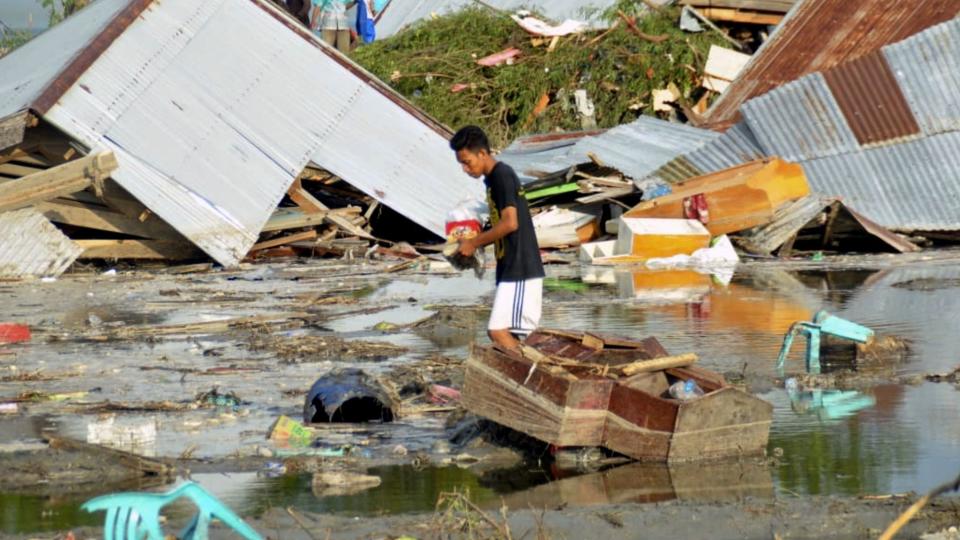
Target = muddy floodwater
(890,431)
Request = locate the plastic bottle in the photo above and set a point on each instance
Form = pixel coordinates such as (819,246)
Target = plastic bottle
(684,390)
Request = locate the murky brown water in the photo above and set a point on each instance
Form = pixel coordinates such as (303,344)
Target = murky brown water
(899,438)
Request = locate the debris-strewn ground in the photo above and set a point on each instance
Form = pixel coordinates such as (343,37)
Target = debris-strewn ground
(619,70)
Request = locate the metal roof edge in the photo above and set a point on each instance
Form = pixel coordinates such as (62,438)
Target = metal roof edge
(369,78)
(88,55)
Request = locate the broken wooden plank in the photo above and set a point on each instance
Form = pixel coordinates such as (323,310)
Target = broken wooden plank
(309,204)
(288,239)
(292,218)
(64,179)
(137,249)
(612,193)
(101,218)
(741,16)
(12,129)
(659,364)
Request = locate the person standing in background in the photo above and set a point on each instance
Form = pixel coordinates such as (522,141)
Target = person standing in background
(328,19)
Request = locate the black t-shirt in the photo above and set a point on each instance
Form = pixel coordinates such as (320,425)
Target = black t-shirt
(518,255)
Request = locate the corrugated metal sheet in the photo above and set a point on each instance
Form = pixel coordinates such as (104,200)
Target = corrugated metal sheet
(870,99)
(819,34)
(402,13)
(735,146)
(914,185)
(32,246)
(637,149)
(26,72)
(641,147)
(926,68)
(212,108)
(800,120)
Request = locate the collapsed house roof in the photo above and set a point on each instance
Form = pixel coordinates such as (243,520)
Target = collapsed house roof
(882,131)
(774,6)
(636,149)
(213,108)
(819,34)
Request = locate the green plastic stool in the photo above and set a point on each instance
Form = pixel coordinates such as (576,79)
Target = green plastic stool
(136,516)
(823,323)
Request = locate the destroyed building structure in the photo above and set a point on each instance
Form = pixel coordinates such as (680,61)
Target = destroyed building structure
(211,112)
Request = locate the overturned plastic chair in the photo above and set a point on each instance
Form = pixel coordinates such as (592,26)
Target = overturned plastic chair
(136,516)
(823,323)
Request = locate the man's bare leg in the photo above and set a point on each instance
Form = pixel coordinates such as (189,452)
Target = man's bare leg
(504,339)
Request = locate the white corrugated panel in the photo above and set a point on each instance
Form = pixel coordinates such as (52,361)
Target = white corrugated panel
(32,246)
(927,67)
(213,107)
(800,120)
(33,66)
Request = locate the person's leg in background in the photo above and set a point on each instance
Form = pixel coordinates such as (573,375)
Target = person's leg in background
(329,37)
(343,41)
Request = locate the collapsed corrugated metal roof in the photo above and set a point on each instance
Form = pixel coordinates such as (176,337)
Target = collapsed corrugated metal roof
(401,13)
(880,131)
(819,34)
(32,246)
(213,108)
(636,149)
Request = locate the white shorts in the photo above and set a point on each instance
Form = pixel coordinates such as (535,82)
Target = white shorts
(516,306)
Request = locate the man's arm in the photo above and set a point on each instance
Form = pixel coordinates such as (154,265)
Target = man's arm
(507,224)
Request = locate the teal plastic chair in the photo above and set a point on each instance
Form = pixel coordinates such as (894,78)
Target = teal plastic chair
(136,516)
(823,323)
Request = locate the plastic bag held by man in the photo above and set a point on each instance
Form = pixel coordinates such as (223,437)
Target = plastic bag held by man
(465,221)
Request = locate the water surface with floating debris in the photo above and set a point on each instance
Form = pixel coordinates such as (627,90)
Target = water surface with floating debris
(899,438)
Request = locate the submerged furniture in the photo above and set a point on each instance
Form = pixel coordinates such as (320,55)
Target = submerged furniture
(823,323)
(135,515)
(572,391)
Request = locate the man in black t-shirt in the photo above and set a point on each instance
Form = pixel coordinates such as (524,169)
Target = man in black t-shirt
(516,306)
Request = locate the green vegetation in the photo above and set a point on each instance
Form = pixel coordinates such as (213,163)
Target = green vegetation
(61,9)
(11,39)
(618,70)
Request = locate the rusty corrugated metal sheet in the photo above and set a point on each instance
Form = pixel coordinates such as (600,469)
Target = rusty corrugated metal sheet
(32,246)
(870,99)
(819,34)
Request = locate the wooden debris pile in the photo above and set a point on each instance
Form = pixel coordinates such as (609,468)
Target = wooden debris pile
(94,218)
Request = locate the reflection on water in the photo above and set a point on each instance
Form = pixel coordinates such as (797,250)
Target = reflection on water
(889,438)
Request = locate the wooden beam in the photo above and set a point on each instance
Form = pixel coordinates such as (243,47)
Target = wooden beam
(20,169)
(101,218)
(136,249)
(292,218)
(290,238)
(736,15)
(113,195)
(658,364)
(311,205)
(12,129)
(52,183)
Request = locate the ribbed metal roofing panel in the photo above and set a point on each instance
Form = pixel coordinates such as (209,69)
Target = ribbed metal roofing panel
(735,146)
(26,72)
(927,66)
(819,34)
(32,246)
(800,121)
(641,147)
(212,108)
(402,13)
(637,149)
(914,185)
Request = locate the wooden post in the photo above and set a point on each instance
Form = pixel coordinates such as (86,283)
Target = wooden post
(658,364)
